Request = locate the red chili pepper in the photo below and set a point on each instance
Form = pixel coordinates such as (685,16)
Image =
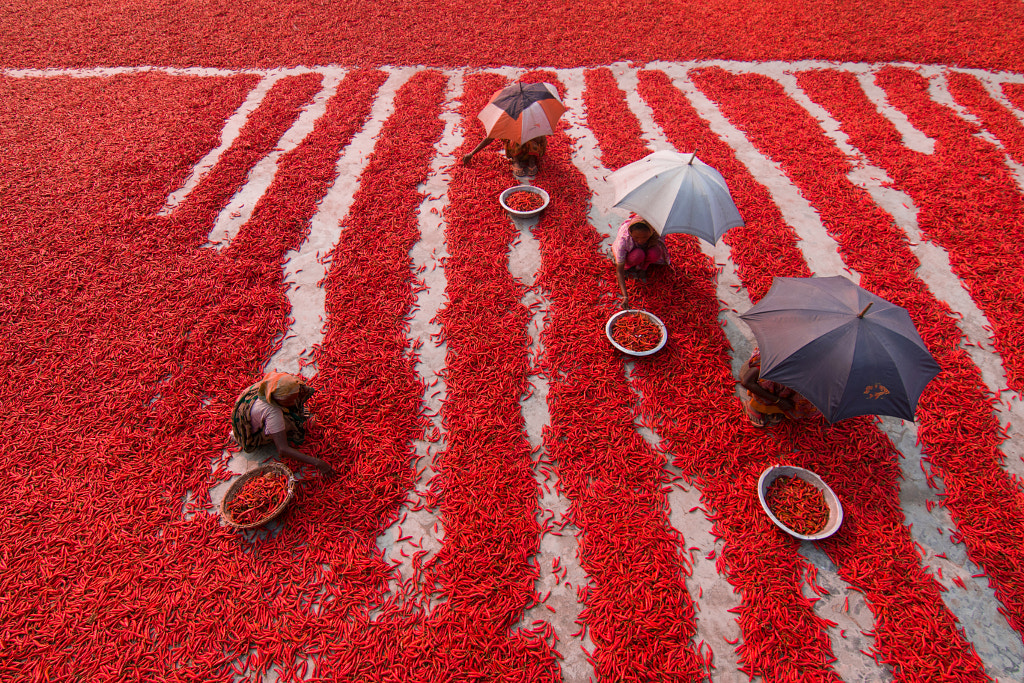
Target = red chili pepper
(798,504)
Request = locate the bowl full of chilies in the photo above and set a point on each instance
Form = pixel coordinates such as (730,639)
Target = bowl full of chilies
(636,333)
(524,201)
(797,501)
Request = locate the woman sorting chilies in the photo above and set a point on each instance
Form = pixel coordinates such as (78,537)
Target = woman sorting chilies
(636,248)
(274,411)
(524,158)
(769,402)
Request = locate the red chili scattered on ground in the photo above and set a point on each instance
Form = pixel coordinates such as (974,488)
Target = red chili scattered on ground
(689,389)
(820,171)
(159,328)
(640,629)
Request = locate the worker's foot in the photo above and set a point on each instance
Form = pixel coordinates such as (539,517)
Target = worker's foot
(758,421)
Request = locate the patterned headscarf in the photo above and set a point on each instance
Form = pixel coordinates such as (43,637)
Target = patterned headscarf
(278,386)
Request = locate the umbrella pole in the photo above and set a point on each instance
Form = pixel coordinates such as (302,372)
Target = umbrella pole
(692,157)
(866,309)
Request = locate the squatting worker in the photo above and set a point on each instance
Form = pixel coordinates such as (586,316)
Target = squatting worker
(274,411)
(636,248)
(524,158)
(769,402)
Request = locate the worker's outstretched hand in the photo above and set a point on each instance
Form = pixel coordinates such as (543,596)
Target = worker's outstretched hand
(467,160)
(325,469)
(625,302)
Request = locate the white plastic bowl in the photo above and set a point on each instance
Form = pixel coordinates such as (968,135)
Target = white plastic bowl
(835,508)
(524,188)
(650,316)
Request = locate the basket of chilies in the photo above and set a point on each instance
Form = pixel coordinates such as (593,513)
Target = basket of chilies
(258,496)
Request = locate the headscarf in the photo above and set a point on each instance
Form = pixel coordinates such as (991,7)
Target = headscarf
(634,219)
(278,386)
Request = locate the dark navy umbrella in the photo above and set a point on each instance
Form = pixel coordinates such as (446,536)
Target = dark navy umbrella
(846,350)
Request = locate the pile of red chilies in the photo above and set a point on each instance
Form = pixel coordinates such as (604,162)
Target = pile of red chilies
(257,498)
(165,333)
(524,201)
(1015,93)
(636,332)
(268,34)
(970,93)
(798,504)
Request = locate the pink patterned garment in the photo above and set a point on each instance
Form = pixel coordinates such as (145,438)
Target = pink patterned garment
(624,246)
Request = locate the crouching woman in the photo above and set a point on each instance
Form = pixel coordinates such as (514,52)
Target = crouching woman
(274,411)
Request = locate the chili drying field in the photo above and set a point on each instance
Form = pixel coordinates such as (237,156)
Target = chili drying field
(515,501)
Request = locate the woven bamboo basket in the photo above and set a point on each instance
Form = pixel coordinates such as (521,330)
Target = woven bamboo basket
(236,486)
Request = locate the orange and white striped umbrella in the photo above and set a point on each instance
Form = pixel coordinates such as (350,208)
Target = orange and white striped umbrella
(522,111)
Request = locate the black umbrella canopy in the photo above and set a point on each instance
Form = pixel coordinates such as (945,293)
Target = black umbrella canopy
(846,350)
(518,96)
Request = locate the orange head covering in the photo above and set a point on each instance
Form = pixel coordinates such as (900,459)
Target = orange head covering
(278,386)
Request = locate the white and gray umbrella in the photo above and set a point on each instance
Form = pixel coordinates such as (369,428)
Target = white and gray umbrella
(677,193)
